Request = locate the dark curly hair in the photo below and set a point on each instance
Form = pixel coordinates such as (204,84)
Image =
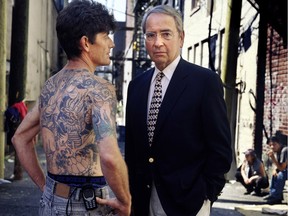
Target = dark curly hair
(79,18)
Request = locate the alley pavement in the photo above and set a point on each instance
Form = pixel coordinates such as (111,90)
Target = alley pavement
(21,197)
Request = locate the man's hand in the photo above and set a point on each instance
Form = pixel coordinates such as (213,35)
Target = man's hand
(120,209)
(247,181)
(270,153)
(274,173)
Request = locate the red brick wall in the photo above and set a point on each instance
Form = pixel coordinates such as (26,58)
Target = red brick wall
(277,99)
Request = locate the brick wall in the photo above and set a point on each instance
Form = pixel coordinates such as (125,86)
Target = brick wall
(276,85)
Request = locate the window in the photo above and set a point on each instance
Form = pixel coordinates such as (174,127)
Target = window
(205,54)
(190,54)
(209,3)
(195,4)
(221,47)
(197,54)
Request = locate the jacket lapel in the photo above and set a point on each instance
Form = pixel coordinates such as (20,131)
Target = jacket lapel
(142,104)
(176,87)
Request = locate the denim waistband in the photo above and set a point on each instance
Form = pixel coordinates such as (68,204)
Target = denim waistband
(74,200)
(78,180)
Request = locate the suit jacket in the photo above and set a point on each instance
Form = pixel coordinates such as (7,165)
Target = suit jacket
(191,149)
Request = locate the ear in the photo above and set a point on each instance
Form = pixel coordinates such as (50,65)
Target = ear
(84,43)
(181,35)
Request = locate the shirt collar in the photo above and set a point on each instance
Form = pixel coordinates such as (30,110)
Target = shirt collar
(168,71)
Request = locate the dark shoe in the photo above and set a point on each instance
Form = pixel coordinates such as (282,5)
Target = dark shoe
(256,193)
(265,194)
(247,192)
(267,197)
(273,201)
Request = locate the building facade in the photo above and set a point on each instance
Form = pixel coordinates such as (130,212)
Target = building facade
(42,47)
(200,26)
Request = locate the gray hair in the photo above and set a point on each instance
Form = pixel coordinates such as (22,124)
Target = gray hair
(164,9)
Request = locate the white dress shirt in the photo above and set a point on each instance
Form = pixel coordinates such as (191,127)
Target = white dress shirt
(168,72)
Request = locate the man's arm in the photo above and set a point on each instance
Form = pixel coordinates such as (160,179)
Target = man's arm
(115,172)
(243,173)
(112,162)
(24,143)
(217,136)
(262,170)
(279,166)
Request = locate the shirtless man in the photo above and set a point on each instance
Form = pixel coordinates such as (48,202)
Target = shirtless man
(76,117)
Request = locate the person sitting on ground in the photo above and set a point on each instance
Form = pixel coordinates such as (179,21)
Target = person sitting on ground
(279,157)
(251,173)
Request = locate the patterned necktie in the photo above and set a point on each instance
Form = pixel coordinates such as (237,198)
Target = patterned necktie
(154,106)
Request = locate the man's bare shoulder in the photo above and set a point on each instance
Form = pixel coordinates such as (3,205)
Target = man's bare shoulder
(104,88)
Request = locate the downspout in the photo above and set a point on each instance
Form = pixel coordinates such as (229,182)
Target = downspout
(3,32)
(229,69)
(260,82)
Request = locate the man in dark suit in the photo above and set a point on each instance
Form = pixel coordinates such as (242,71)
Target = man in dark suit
(177,166)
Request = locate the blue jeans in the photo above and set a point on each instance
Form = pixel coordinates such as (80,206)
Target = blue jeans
(50,204)
(277,185)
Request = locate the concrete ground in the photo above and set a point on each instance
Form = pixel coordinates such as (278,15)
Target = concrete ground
(233,202)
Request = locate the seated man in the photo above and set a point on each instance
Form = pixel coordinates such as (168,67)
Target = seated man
(278,155)
(252,174)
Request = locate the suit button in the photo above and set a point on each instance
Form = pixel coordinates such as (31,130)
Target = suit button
(148,186)
(151,160)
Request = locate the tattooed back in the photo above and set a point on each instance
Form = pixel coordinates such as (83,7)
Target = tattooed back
(77,111)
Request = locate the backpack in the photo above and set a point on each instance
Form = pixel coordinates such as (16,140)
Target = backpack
(12,119)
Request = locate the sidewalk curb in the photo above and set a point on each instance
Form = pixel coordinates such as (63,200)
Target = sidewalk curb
(281,209)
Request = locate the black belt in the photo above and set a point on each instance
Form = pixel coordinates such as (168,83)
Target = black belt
(78,180)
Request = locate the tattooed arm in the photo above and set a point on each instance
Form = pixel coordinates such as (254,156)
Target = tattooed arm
(112,163)
(24,143)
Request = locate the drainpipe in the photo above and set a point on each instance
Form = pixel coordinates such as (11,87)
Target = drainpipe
(229,69)
(260,83)
(3,29)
